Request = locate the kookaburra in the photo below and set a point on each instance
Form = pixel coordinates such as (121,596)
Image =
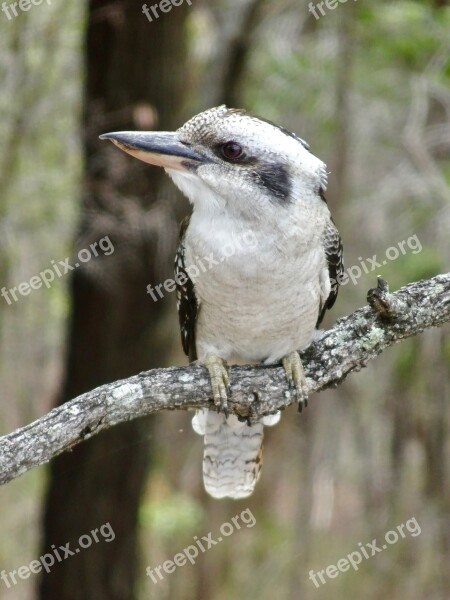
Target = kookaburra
(247,179)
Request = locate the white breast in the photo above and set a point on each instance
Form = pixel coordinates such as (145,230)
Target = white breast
(261,300)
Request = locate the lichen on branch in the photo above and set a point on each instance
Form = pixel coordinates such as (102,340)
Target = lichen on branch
(255,390)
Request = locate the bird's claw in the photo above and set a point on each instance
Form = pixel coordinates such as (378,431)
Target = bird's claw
(295,376)
(220,385)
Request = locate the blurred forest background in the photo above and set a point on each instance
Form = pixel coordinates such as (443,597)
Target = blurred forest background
(367,85)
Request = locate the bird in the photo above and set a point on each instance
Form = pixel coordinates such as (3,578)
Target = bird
(247,179)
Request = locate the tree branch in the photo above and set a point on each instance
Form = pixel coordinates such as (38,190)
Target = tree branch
(256,390)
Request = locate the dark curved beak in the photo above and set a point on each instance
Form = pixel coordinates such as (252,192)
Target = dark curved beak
(159,148)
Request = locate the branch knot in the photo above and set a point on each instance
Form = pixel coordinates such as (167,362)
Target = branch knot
(389,306)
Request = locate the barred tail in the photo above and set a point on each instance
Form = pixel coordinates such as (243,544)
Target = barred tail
(232,457)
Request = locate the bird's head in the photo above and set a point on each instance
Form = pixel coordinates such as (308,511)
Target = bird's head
(226,160)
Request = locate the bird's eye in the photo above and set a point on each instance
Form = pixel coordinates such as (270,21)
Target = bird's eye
(232,150)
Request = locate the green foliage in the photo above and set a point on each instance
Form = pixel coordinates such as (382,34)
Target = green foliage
(403,35)
(177,515)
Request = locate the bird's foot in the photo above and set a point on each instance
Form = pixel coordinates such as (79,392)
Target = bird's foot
(295,375)
(218,374)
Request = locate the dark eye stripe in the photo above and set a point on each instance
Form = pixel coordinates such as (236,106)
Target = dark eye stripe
(276,179)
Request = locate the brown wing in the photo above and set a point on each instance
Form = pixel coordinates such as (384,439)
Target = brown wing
(334,253)
(186,300)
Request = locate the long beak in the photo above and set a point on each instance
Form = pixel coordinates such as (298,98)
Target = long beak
(159,148)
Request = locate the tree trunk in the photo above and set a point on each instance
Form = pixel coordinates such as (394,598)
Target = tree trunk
(134,71)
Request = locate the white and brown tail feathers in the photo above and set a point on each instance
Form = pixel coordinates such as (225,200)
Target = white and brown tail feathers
(232,457)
